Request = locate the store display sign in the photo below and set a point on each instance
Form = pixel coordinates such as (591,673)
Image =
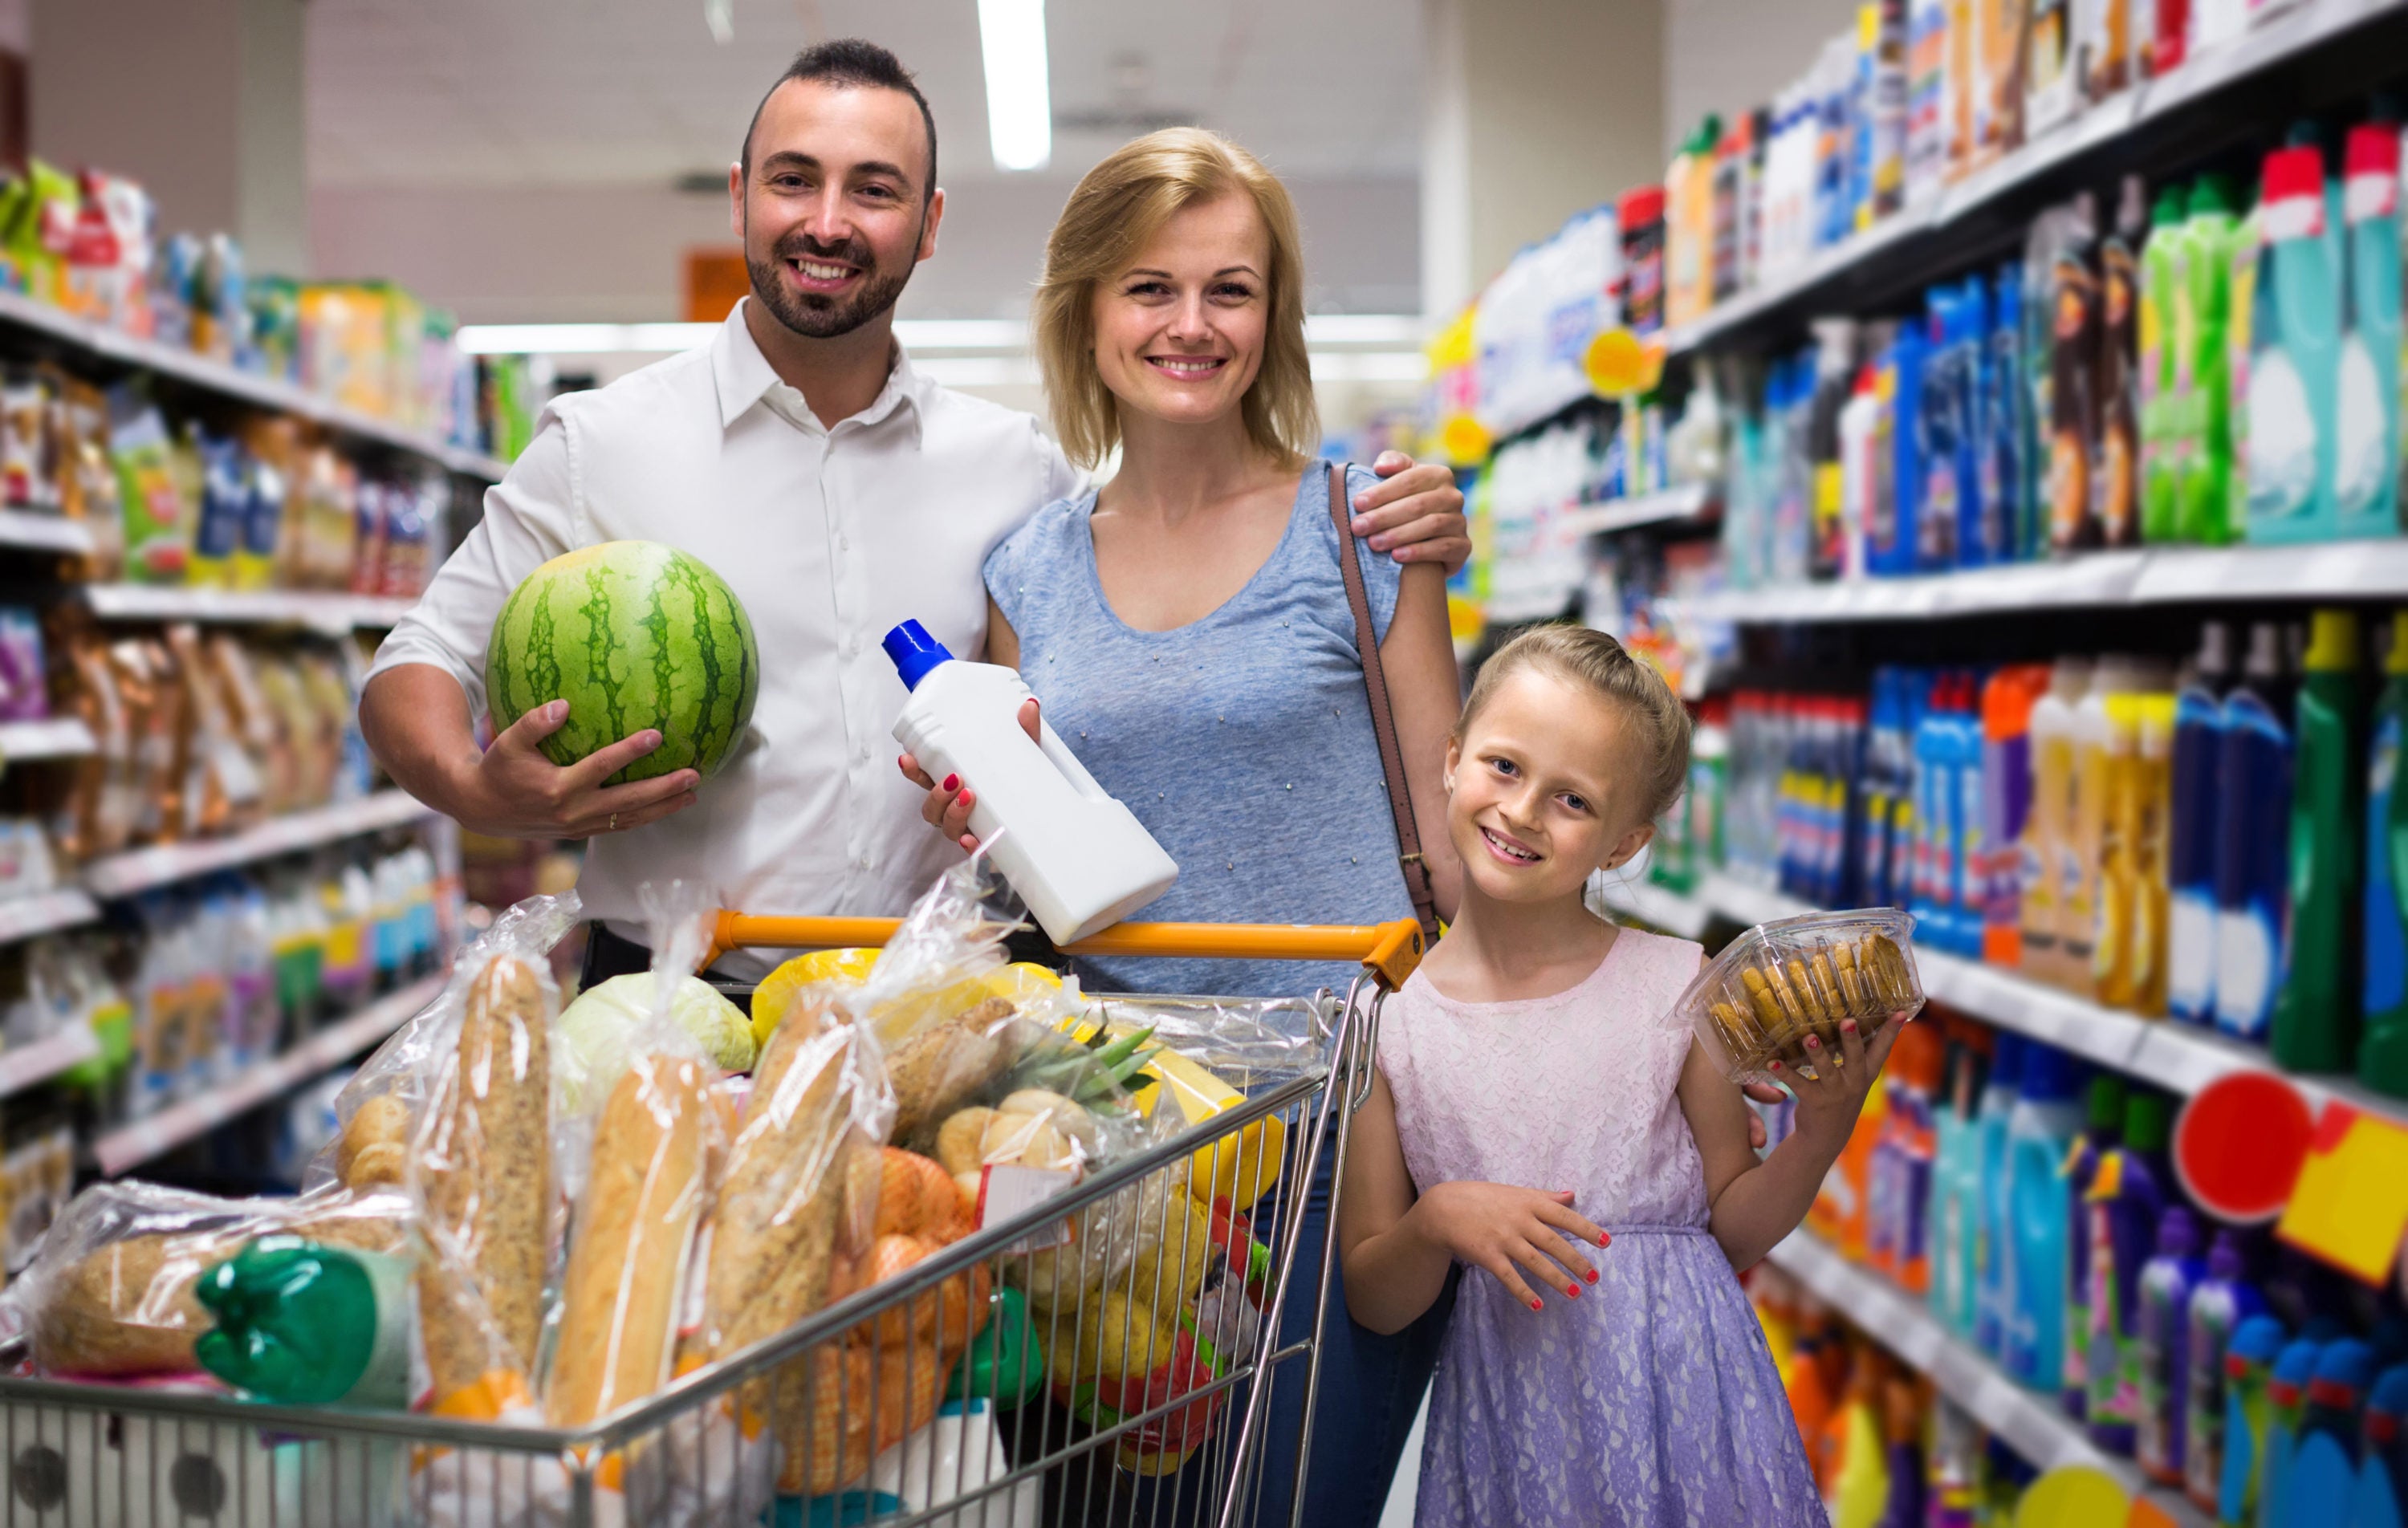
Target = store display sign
(2350,1205)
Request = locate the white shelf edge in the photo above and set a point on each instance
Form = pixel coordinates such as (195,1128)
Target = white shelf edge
(41,912)
(35,532)
(319,610)
(48,737)
(2257,52)
(229,382)
(1687,502)
(133,1144)
(139,869)
(2034,1426)
(23,1067)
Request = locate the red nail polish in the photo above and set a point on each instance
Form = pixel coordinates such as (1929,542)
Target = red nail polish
(1572,1290)
(1536,1306)
(1848,1027)
(1605,1239)
(952,782)
(1592,1276)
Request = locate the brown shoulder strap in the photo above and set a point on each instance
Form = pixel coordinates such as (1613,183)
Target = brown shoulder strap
(1383,716)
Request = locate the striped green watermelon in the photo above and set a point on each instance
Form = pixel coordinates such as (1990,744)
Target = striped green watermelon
(632,634)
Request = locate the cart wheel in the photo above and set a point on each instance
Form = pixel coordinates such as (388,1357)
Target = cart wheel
(38,1477)
(198,1485)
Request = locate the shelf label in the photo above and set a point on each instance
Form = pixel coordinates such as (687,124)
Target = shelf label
(2350,1205)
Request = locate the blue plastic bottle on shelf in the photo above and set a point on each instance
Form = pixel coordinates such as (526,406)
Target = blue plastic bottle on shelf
(1993,1263)
(2220,1303)
(2286,1405)
(2194,822)
(2163,1347)
(2040,1128)
(2249,1362)
(2366,452)
(1956,1213)
(1972,840)
(2253,856)
(2380,1499)
(1902,378)
(2323,1474)
(2099,1135)
(1932,793)
(2295,353)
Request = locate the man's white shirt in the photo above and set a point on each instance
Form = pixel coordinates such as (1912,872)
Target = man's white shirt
(829,536)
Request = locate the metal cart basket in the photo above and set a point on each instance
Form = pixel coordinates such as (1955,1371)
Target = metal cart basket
(1123,1376)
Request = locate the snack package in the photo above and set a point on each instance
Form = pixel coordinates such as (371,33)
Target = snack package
(1779,982)
(158,517)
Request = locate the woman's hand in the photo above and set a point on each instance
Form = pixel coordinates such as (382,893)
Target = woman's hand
(1830,1102)
(1414,513)
(948,806)
(1502,1229)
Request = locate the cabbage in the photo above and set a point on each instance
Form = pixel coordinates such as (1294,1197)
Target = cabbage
(594,1032)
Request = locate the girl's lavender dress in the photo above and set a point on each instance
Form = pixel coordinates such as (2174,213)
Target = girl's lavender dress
(1652,1397)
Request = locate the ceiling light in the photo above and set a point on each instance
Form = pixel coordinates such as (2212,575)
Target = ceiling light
(1019,97)
(720,16)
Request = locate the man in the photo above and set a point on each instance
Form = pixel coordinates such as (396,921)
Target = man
(830,533)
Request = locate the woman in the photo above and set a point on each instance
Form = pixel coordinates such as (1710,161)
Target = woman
(1187,631)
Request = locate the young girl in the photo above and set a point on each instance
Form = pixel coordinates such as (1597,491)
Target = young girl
(1541,1115)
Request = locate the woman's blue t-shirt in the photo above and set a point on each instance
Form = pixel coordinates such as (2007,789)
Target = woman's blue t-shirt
(1243,741)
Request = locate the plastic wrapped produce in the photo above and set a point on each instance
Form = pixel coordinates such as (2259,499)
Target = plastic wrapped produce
(1780,982)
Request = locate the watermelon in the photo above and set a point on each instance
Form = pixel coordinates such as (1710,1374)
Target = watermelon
(632,634)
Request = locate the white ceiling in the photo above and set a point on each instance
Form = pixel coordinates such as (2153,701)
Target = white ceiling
(566,92)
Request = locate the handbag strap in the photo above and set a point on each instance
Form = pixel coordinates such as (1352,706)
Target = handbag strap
(1383,716)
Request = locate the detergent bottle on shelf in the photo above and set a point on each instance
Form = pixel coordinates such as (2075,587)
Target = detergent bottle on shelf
(2148,825)
(1898,1230)
(2192,827)
(2383,1047)
(2089,823)
(2125,1199)
(2325,1454)
(2048,830)
(2248,1406)
(2293,365)
(2219,1304)
(2008,696)
(2380,1499)
(2315,1026)
(1955,1214)
(2161,408)
(2203,364)
(2287,1405)
(2098,1139)
(2114,477)
(1689,226)
(2163,1348)
(2076,408)
(1080,859)
(2253,839)
(2040,1128)
(1993,1258)
(2366,453)
(2114,967)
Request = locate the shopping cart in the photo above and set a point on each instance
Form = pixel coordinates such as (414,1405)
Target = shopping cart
(863,1413)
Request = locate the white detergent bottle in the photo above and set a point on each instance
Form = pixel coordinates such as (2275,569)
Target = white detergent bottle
(1080,859)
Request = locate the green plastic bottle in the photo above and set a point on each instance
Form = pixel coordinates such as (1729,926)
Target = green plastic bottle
(299,1323)
(2201,362)
(2383,1047)
(2162,263)
(2315,1027)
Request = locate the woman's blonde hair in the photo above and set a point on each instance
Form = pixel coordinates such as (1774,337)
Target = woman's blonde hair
(1603,666)
(1120,204)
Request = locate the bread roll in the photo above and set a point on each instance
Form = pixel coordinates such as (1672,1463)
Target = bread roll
(634,1231)
(379,1126)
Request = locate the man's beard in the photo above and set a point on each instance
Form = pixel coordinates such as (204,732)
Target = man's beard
(819,317)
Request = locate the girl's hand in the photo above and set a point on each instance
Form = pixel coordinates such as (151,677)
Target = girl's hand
(1828,1103)
(1501,1228)
(948,806)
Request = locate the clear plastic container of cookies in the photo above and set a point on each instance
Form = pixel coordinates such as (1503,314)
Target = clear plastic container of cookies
(1779,982)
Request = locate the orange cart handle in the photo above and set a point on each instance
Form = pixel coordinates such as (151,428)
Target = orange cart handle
(1388,951)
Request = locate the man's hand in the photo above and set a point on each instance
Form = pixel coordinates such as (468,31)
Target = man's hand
(1414,513)
(1510,1231)
(515,791)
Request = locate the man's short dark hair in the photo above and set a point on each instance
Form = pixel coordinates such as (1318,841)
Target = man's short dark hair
(850,62)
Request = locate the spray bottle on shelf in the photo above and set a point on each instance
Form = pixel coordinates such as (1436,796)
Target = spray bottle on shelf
(2162,1346)
(2092,1147)
(2287,1405)
(2248,1408)
(2380,1499)
(2253,839)
(2366,457)
(2315,1027)
(2219,1305)
(2192,828)
(2383,1049)
(2325,1455)
(2048,1113)
(2125,1198)
(1993,1250)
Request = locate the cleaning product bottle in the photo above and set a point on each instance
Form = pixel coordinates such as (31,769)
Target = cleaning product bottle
(1900,1184)
(2125,1198)
(1080,859)
(2295,337)
(2194,822)
(2203,364)
(2089,822)
(1993,1258)
(2162,265)
(2151,808)
(297,1323)
(2098,1139)
(2366,453)
(2162,1345)
(1955,1214)
(1689,226)
(1858,472)
(2248,1407)
(2381,1497)
(2325,1455)
(1901,389)
(2048,832)
(2253,840)
(2219,1305)
(2115,476)
(2315,1027)
(2074,433)
(2383,1049)
(2040,1128)
(2287,1405)
(2010,433)
(2008,696)
(2114,967)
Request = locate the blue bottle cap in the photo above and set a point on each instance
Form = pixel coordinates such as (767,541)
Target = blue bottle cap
(2391,1393)
(2296,1362)
(914,652)
(2050,1075)
(2258,1339)
(2347,1362)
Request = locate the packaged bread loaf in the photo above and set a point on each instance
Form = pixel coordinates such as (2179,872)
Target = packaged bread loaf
(1783,983)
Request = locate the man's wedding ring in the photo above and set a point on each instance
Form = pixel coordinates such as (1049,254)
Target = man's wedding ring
(615,824)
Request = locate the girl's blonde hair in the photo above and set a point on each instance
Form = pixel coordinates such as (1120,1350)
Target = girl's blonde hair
(1603,666)
(1120,204)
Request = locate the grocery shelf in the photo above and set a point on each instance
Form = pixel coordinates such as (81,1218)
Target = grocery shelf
(1655,905)
(2035,1427)
(139,869)
(1895,256)
(48,737)
(331,613)
(1686,503)
(32,532)
(21,1066)
(24,314)
(131,1145)
(42,912)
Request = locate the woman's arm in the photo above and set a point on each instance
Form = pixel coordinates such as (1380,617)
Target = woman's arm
(1424,686)
(1395,1247)
(1757,1203)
